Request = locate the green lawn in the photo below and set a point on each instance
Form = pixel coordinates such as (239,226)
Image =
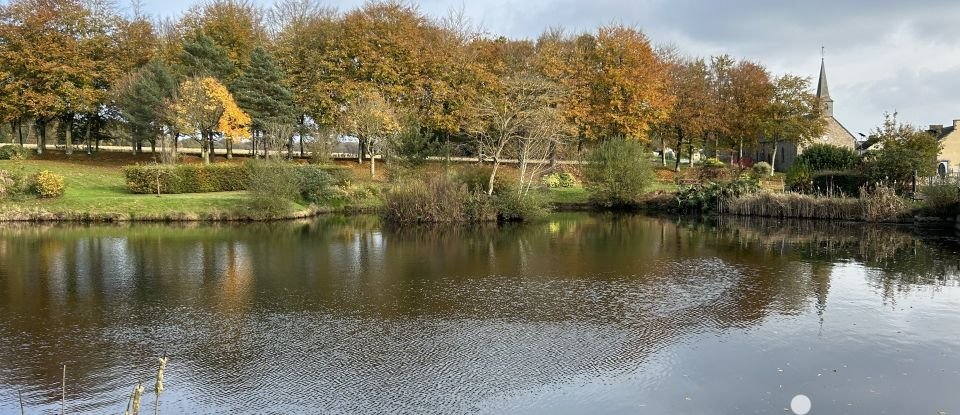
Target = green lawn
(568,195)
(101,190)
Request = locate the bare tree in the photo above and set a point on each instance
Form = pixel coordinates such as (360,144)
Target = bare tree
(546,132)
(508,115)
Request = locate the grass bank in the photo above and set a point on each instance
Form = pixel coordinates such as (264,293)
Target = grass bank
(96,191)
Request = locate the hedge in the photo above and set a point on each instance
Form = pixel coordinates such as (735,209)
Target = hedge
(186,178)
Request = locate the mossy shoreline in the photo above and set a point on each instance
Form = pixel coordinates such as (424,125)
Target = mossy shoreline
(42,215)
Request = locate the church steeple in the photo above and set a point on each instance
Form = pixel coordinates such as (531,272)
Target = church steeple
(823,91)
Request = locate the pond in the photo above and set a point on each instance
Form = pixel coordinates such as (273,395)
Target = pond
(581,313)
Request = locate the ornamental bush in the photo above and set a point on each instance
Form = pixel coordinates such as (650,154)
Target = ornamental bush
(618,173)
(48,185)
(14,152)
(762,169)
(559,180)
(313,183)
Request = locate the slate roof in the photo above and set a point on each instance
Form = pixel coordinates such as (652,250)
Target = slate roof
(823,91)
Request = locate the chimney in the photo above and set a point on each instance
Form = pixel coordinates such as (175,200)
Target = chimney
(936,129)
(956,123)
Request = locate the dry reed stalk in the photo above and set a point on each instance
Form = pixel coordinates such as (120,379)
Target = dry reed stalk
(20,396)
(63,395)
(158,388)
(137,394)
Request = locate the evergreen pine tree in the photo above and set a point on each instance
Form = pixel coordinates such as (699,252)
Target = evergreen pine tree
(142,101)
(260,92)
(201,57)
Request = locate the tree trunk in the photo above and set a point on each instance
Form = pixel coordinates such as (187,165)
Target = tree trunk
(204,148)
(716,146)
(360,143)
(773,158)
(68,134)
(290,147)
(523,170)
(373,168)
(678,151)
(41,127)
(31,131)
(493,175)
(211,149)
(19,124)
(663,151)
(229,144)
(133,142)
(163,149)
(496,166)
(690,153)
(86,137)
(553,155)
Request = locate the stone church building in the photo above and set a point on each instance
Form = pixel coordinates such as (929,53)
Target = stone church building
(834,132)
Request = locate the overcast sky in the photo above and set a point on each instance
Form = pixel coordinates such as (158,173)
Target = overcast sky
(881,55)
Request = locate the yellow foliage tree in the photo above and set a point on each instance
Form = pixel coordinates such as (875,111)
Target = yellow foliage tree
(206,108)
(371,119)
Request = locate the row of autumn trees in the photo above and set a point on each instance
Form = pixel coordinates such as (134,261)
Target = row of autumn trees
(78,71)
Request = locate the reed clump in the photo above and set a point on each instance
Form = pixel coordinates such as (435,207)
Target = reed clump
(437,200)
(880,204)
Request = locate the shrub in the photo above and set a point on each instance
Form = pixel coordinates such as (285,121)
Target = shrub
(14,152)
(618,173)
(186,178)
(762,169)
(882,204)
(48,185)
(837,182)
(16,182)
(799,178)
(477,179)
(559,180)
(711,170)
(313,183)
(320,149)
(713,163)
(437,199)
(339,175)
(820,157)
(512,206)
(271,188)
(6,184)
(706,198)
(941,199)
(414,144)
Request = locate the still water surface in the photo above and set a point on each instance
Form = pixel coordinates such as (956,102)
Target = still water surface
(579,314)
